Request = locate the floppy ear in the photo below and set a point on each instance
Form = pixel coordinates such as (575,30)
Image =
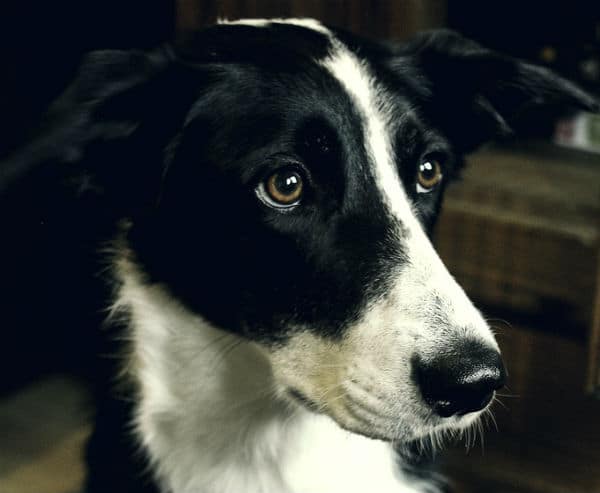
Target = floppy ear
(117,99)
(475,94)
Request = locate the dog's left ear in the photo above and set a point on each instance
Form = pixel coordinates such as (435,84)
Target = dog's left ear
(101,103)
(107,134)
(474,93)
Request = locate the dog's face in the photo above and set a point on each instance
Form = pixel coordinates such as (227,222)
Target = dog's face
(294,208)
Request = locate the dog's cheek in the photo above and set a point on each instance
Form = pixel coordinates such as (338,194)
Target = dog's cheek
(308,364)
(372,356)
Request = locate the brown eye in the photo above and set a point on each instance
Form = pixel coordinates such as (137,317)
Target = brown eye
(429,175)
(282,189)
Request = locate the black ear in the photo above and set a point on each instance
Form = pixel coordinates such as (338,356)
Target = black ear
(474,93)
(112,95)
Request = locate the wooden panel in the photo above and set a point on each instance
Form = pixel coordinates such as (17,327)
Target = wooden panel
(594,343)
(381,19)
(521,232)
(43,429)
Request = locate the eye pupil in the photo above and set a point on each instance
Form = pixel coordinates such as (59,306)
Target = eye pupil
(287,183)
(427,170)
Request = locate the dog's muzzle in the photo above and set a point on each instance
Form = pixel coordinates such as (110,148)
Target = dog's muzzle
(461,379)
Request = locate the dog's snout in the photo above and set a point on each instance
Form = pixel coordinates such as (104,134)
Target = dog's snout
(460,380)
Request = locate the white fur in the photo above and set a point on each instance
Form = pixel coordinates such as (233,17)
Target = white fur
(300,22)
(212,423)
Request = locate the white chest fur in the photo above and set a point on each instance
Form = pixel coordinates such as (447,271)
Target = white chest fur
(211,421)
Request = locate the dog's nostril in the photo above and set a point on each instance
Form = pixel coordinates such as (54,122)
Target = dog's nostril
(460,407)
(460,380)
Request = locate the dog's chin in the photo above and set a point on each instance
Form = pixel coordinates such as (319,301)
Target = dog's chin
(303,402)
(409,439)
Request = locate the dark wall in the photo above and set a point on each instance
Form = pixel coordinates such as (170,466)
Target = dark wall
(42,45)
(43,42)
(562,34)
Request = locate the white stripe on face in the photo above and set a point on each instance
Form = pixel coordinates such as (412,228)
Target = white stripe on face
(423,312)
(370,102)
(300,22)
(425,277)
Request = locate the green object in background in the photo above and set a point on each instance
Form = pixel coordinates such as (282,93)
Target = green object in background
(593,129)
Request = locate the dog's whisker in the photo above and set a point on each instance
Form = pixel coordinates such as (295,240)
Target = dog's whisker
(489,414)
(497,400)
(481,436)
(470,438)
(498,320)
(510,396)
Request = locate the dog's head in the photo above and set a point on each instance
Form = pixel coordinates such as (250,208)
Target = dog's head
(290,176)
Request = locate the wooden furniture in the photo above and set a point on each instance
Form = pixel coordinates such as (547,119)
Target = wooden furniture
(521,233)
(593,381)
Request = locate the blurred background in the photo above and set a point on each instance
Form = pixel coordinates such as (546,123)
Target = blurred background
(521,232)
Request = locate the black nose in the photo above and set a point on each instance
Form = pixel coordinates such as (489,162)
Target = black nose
(460,380)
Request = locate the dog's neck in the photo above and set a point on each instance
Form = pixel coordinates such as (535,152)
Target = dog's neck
(210,420)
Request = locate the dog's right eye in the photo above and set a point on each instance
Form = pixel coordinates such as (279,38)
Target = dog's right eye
(282,189)
(429,175)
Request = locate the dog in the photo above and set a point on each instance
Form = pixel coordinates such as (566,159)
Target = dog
(256,203)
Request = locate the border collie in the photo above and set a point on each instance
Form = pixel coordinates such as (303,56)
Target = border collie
(255,203)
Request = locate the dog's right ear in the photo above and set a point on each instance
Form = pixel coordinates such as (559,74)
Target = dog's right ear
(113,93)
(473,93)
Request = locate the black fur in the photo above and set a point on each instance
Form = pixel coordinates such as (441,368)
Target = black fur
(176,140)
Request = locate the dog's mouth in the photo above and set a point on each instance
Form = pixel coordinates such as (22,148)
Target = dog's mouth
(299,398)
(420,437)
(306,403)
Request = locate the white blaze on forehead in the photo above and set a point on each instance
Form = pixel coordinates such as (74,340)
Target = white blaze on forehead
(373,105)
(300,22)
(427,274)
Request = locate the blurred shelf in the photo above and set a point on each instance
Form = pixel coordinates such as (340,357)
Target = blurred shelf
(521,231)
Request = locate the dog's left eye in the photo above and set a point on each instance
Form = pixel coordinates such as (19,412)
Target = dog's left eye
(282,189)
(429,175)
